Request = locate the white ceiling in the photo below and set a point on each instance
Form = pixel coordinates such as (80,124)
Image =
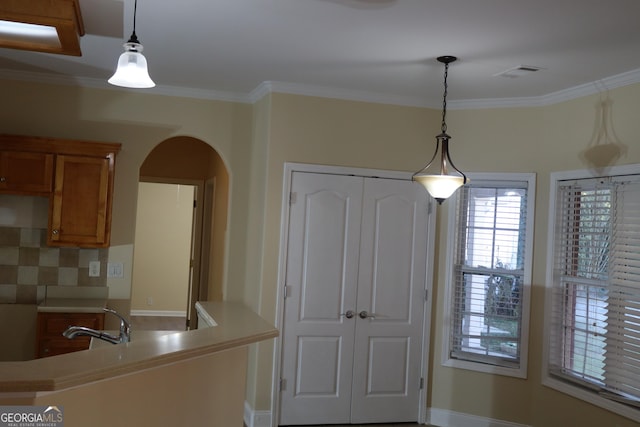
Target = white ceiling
(377,50)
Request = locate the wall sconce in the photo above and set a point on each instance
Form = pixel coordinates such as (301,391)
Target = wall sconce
(443,184)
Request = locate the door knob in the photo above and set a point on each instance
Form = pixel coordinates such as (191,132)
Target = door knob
(363,315)
(349,314)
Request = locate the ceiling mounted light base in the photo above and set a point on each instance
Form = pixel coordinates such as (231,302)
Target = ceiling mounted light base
(51,26)
(445,178)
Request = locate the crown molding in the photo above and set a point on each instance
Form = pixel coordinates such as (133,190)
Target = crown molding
(599,86)
(337,93)
(267,87)
(181,92)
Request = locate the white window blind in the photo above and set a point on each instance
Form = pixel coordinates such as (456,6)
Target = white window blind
(595,336)
(488,278)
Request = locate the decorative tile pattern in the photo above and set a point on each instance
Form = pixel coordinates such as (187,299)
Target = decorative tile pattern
(27,265)
(9,236)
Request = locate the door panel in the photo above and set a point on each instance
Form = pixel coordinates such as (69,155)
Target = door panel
(355,244)
(322,269)
(391,288)
(318,366)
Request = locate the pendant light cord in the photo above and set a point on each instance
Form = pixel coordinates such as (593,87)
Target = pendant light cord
(135,9)
(134,37)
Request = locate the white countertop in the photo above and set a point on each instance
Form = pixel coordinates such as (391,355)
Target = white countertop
(237,326)
(72,305)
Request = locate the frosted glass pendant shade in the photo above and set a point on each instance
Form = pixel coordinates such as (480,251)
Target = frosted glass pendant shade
(132,69)
(440,187)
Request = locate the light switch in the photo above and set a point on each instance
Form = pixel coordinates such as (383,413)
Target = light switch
(115,269)
(94,268)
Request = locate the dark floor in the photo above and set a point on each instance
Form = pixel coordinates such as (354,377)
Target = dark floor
(372,425)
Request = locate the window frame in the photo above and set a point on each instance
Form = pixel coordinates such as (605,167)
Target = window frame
(574,389)
(500,180)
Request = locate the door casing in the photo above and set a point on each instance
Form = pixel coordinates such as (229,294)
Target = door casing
(289,169)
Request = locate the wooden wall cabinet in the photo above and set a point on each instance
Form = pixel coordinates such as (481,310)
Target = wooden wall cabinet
(23,172)
(50,326)
(77,176)
(79,212)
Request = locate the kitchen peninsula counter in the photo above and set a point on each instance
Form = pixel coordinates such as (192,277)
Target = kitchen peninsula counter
(236,326)
(202,372)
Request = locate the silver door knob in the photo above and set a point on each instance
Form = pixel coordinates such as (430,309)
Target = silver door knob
(363,315)
(349,314)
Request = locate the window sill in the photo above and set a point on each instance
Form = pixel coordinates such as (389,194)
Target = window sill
(520,372)
(592,397)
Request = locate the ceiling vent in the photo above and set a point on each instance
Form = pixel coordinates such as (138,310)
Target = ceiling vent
(519,71)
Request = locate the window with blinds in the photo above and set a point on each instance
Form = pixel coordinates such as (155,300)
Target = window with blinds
(491,271)
(595,314)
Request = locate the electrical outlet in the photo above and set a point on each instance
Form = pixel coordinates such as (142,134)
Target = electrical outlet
(149,300)
(94,268)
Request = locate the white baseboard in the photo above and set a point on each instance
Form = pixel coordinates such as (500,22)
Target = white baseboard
(253,418)
(435,417)
(446,418)
(159,313)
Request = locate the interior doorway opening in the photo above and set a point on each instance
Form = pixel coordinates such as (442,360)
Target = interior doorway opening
(183,196)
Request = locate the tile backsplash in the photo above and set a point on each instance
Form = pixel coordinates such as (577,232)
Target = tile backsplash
(28,266)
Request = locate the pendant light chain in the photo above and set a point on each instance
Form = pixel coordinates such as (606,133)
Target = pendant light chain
(443,127)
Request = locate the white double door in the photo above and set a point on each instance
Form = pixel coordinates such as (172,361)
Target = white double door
(355,300)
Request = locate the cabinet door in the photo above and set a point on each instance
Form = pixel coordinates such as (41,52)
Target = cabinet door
(26,172)
(50,341)
(80,210)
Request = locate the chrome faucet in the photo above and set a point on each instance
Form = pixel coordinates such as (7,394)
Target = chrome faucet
(125,331)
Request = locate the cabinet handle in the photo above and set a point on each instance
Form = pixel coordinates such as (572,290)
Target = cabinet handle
(54,232)
(3,179)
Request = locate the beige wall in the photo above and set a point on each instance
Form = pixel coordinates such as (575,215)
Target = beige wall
(185,158)
(161,255)
(255,141)
(537,139)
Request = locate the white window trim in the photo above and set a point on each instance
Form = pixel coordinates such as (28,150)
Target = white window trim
(521,371)
(548,380)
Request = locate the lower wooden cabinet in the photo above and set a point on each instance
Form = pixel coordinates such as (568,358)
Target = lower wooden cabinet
(49,339)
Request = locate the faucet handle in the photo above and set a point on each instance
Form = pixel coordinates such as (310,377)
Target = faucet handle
(125,327)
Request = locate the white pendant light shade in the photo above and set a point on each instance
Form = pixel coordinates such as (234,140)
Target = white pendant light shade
(132,69)
(440,187)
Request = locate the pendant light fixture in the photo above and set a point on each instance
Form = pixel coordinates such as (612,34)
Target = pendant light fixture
(443,184)
(132,65)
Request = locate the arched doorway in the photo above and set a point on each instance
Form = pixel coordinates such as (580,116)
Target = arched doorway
(176,169)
